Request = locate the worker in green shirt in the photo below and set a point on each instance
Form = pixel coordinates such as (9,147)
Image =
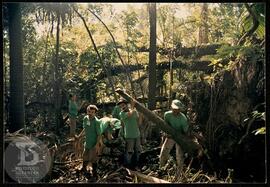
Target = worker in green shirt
(116,114)
(178,121)
(108,127)
(116,111)
(73,112)
(129,118)
(92,132)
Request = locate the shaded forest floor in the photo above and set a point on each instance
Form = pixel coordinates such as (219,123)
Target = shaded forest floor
(110,168)
(66,162)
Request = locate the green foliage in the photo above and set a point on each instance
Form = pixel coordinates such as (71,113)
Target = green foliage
(226,55)
(260,131)
(28,36)
(130,21)
(224,22)
(258,116)
(216,63)
(108,53)
(79,64)
(227,52)
(96,8)
(37,84)
(259,11)
(230,21)
(171,28)
(47,12)
(88,65)
(68,57)
(82,76)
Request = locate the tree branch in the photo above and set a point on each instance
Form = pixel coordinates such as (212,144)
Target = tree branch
(99,57)
(116,49)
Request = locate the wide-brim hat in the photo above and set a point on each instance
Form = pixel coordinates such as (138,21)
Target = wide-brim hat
(176,104)
(122,101)
(116,123)
(93,107)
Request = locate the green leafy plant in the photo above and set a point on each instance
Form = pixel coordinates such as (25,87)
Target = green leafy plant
(259,11)
(261,130)
(259,116)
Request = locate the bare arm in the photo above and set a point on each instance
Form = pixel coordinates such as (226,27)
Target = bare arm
(140,120)
(132,110)
(99,145)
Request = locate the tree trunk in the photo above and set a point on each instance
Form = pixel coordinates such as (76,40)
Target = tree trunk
(17,116)
(185,142)
(57,82)
(139,77)
(203,29)
(171,58)
(152,58)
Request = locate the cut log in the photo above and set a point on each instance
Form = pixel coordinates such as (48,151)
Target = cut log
(146,178)
(184,141)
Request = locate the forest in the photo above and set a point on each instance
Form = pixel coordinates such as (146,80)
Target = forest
(206,60)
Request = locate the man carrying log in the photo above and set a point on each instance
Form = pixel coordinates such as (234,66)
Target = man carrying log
(186,142)
(129,118)
(116,111)
(178,121)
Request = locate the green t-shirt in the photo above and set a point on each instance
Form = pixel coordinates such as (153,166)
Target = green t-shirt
(131,128)
(92,130)
(116,111)
(179,122)
(72,109)
(116,123)
(105,124)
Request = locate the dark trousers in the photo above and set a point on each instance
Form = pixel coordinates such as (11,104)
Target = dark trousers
(133,149)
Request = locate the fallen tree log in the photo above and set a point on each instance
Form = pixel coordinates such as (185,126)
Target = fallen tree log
(186,51)
(146,178)
(191,66)
(115,70)
(185,142)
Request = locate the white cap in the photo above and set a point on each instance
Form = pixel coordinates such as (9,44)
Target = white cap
(176,104)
